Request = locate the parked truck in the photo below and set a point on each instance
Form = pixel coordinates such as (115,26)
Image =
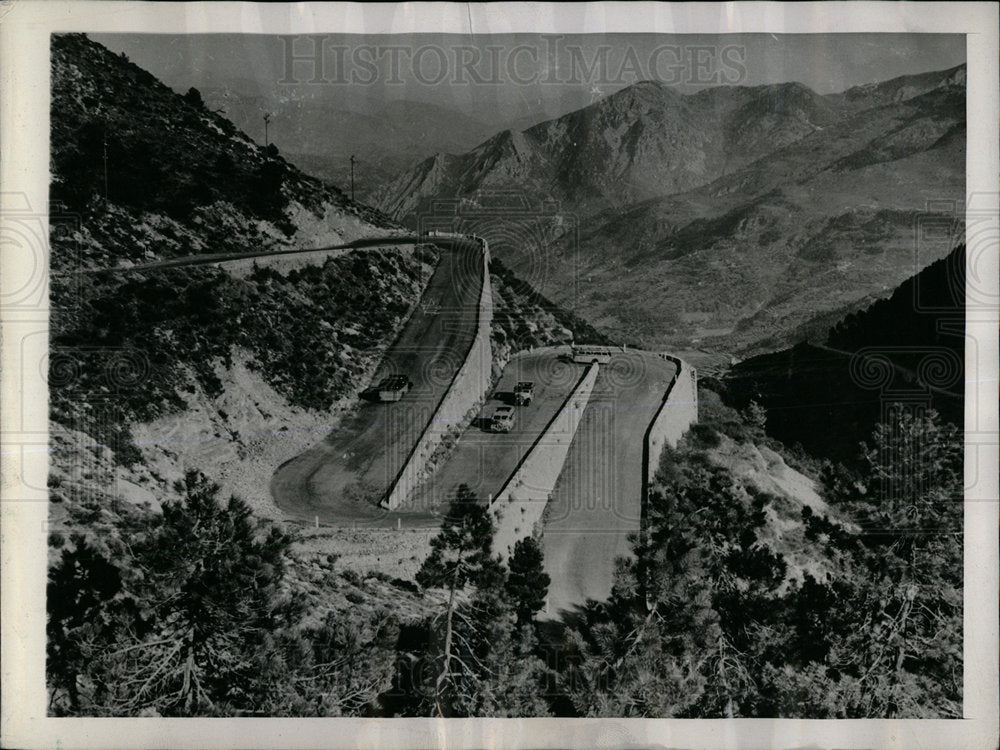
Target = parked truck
(524,391)
(393,388)
(503,419)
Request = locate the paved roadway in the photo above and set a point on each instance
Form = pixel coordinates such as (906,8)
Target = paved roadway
(205,259)
(484,460)
(343,478)
(597,501)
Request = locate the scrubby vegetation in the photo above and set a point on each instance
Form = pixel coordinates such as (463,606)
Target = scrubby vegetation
(523,317)
(142,173)
(197,609)
(476,657)
(200,611)
(121,137)
(307,332)
(707,621)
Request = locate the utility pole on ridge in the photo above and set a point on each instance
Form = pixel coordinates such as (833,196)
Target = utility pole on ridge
(352,176)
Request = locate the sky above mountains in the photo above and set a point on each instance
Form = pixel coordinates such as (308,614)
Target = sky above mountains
(507,79)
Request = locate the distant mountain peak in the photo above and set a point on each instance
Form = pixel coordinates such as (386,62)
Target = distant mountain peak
(902,88)
(641,91)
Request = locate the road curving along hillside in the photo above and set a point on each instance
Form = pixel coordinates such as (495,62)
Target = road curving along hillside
(341,479)
(597,501)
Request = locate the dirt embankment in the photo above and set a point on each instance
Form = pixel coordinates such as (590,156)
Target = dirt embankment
(766,470)
(237,440)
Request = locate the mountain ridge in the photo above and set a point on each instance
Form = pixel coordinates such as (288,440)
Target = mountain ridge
(752,122)
(818,193)
(845,375)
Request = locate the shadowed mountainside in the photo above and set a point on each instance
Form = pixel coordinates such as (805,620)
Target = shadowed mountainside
(909,347)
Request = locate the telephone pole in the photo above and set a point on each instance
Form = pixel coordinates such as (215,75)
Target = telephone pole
(105,166)
(352,176)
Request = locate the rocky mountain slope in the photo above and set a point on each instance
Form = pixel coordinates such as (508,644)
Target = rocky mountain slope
(642,141)
(168,598)
(728,218)
(827,222)
(128,151)
(230,369)
(219,370)
(197,365)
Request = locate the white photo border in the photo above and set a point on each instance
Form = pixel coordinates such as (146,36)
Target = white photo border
(25,28)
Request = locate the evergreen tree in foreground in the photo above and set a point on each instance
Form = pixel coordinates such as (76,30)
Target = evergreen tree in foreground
(177,619)
(708,623)
(527,582)
(482,664)
(187,613)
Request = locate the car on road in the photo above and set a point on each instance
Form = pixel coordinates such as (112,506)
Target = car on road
(585,354)
(503,419)
(393,388)
(524,391)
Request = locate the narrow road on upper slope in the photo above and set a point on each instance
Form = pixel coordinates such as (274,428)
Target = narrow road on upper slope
(342,479)
(207,259)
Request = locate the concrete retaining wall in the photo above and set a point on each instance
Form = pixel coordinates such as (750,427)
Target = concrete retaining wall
(677,412)
(519,505)
(461,402)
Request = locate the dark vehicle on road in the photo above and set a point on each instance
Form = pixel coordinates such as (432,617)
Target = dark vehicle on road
(524,391)
(393,388)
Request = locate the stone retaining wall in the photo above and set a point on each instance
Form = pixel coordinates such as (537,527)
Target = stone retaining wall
(678,411)
(519,505)
(460,404)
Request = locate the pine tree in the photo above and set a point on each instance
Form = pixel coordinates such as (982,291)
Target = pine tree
(178,616)
(461,554)
(914,473)
(527,581)
(193,97)
(902,657)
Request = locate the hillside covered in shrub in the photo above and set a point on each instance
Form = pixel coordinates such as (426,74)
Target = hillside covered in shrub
(310,334)
(716,616)
(141,174)
(838,598)
(200,611)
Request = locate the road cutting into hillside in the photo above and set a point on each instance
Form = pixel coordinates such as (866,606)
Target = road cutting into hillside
(342,479)
(597,501)
(208,259)
(484,460)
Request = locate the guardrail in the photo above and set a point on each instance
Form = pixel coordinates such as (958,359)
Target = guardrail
(519,504)
(467,388)
(667,427)
(677,411)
